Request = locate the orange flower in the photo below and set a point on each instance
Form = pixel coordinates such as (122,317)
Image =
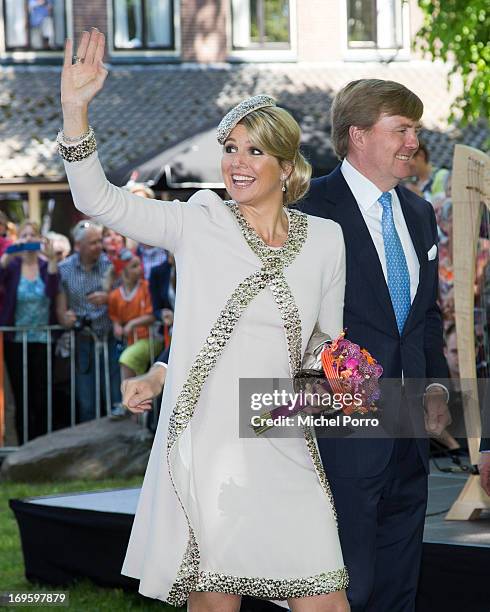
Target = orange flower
(348,410)
(367,355)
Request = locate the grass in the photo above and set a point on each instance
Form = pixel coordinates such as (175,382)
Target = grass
(84,595)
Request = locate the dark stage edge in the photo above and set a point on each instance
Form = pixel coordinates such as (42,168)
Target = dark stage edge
(84,535)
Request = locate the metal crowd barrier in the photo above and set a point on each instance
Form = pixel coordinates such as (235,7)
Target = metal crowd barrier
(101,350)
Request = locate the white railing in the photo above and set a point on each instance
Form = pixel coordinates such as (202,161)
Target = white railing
(100,352)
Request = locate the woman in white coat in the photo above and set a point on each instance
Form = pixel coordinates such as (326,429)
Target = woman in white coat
(220,515)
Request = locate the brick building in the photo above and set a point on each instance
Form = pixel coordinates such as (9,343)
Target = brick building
(177,65)
(212,31)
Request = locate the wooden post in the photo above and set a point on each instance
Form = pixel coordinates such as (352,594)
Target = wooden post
(35,204)
(470,192)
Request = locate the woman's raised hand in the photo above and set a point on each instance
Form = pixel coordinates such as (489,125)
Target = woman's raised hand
(82,80)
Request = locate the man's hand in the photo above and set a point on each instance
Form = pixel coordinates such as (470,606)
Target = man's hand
(97,298)
(437,415)
(138,392)
(484,468)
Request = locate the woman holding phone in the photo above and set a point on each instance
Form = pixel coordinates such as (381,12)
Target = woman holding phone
(31,284)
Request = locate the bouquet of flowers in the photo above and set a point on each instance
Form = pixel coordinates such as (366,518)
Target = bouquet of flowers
(338,367)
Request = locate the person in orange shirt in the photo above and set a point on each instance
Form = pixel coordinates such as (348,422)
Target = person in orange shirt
(131,313)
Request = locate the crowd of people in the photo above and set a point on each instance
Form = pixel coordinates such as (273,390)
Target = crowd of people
(118,289)
(117,295)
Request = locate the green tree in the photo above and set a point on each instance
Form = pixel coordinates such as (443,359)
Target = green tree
(458,31)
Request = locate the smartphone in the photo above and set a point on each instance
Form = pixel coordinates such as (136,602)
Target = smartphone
(27,246)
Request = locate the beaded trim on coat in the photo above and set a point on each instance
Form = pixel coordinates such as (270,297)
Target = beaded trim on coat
(72,152)
(270,588)
(271,274)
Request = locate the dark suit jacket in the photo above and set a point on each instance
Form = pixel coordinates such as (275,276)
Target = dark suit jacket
(159,287)
(368,313)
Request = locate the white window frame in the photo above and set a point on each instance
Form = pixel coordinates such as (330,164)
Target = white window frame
(265,55)
(33,55)
(367,54)
(144,53)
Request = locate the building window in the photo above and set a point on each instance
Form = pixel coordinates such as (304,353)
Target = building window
(143,24)
(374,24)
(261,24)
(34,25)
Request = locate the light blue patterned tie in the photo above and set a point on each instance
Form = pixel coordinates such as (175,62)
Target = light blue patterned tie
(396,264)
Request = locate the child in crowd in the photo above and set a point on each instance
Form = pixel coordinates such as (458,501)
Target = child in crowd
(130,310)
(113,244)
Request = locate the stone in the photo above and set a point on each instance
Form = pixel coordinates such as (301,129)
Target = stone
(97,449)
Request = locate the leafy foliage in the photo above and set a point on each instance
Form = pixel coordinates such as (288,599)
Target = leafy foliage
(458,31)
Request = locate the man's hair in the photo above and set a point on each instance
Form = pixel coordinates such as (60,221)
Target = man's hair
(361,103)
(61,241)
(81,228)
(451,329)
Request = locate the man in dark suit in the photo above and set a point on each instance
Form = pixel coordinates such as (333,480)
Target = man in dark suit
(380,485)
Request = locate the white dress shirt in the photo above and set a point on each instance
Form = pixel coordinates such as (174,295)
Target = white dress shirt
(366,195)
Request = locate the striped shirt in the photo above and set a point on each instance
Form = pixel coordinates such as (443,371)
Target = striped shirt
(77,283)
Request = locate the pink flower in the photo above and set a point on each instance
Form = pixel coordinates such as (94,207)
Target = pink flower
(351,363)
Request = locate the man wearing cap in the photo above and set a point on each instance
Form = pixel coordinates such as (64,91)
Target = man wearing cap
(380,485)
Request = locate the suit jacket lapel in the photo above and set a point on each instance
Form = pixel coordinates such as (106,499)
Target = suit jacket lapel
(358,239)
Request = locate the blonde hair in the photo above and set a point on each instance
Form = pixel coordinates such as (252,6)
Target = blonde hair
(29,223)
(275,131)
(361,103)
(61,241)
